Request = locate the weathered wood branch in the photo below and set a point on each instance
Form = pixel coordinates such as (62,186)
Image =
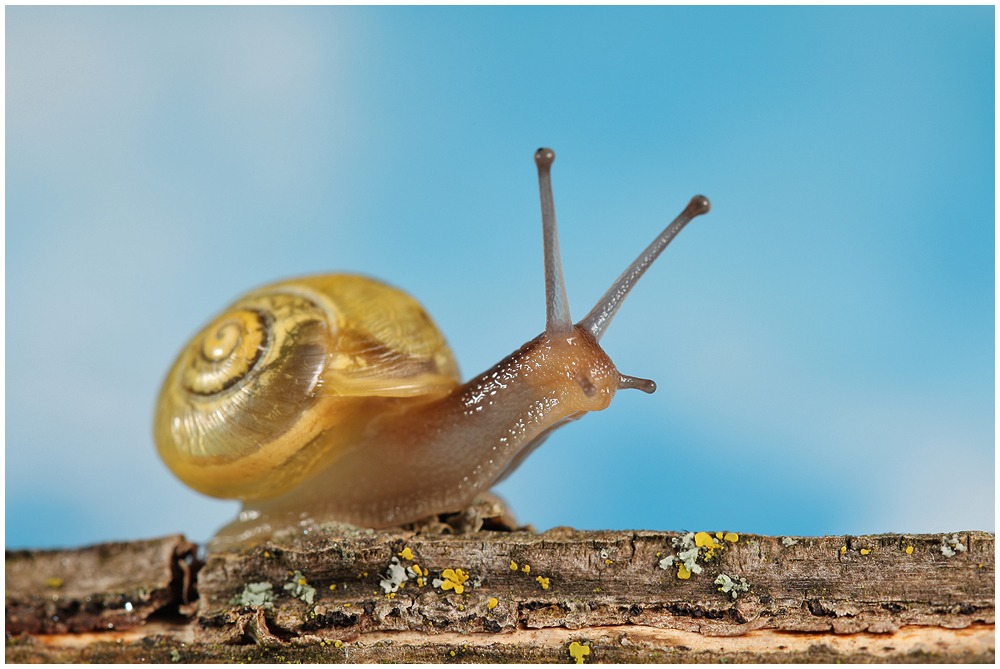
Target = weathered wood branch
(509,596)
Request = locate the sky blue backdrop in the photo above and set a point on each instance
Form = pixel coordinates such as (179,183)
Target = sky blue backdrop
(823,341)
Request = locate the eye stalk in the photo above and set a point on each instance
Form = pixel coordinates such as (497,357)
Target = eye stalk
(557,318)
(599,318)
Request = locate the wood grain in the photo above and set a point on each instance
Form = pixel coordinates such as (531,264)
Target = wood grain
(824,599)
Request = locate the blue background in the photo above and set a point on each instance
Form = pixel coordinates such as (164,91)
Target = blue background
(823,341)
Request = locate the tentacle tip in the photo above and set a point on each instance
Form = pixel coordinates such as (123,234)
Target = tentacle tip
(647,386)
(544,158)
(699,205)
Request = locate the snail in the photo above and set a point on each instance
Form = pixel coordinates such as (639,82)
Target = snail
(336,398)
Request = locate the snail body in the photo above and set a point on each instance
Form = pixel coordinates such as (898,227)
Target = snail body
(336,398)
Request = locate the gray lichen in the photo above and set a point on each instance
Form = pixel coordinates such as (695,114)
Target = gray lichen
(731,585)
(299,587)
(396,575)
(951,547)
(256,594)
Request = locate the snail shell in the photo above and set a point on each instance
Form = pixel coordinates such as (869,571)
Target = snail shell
(274,387)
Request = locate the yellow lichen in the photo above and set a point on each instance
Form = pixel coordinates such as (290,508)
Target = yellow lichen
(732,537)
(843,549)
(453,579)
(407,554)
(492,604)
(865,551)
(705,540)
(526,569)
(609,562)
(54,583)
(578,651)
(682,572)
(513,566)
(338,643)
(452,653)
(346,604)
(391,595)
(544,582)
(909,550)
(718,535)
(420,582)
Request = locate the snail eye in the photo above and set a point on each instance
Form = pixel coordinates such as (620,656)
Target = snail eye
(589,389)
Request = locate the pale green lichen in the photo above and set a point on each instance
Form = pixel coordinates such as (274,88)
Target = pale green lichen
(788,541)
(299,587)
(731,585)
(951,547)
(256,594)
(686,557)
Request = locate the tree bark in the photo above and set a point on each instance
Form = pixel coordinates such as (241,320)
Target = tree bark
(509,596)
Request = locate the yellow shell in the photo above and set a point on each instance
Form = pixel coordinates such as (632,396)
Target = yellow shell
(284,380)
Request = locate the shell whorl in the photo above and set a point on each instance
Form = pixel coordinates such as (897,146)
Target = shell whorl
(230,348)
(280,383)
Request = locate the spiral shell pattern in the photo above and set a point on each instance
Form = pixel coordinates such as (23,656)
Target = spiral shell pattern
(230,347)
